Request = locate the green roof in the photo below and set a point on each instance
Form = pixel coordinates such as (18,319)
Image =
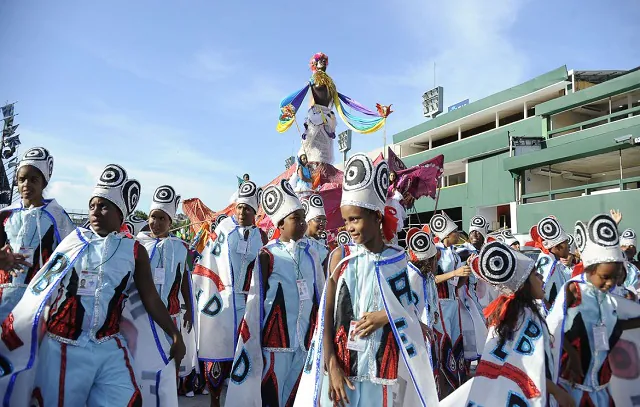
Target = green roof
(540,82)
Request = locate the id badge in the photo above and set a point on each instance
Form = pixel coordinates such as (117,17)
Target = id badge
(303,291)
(242,246)
(158,276)
(354,342)
(601,338)
(87,284)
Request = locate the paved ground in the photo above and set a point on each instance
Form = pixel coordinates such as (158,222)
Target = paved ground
(197,401)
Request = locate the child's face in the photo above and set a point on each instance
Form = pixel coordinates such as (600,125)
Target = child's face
(294,225)
(159,223)
(316,225)
(363,225)
(605,276)
(561,250)
(245,215)
(535,279)
(30,182)
(104,216)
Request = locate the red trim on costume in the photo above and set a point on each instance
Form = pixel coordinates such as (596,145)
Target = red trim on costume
(342,352)
(384,396)
(244,330)
(63,373)
(493,371)
(577,294)
(390,358)
(136,398)
(173,299)
(577,270)
(9,335)
(201,270)
(136,245)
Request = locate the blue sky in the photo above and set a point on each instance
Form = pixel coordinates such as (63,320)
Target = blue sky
(187,93)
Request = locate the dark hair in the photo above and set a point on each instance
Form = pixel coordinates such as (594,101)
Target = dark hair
(425,266)
(245,175)
(506,320)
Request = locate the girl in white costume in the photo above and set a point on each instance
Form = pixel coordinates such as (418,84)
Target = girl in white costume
(33,226)
(517,366)
(369,325)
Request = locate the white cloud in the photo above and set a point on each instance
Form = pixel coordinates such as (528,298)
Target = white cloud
(470,43)
(159,155)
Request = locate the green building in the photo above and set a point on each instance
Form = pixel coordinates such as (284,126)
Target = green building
(560,144)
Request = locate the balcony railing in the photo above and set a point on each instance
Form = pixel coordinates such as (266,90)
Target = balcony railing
(586,189)
(607,117)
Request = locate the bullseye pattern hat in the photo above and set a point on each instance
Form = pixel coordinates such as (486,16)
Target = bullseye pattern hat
(134,224)
(365,185)
(505,237)
(479,224)
(441,225)
(502,267)
(40,158)
(343,238)
(420,245)
(598,241)
(249,194)
(313,207)
(549,232)
(279,201)
(114,185)
(629,238)
(165,199)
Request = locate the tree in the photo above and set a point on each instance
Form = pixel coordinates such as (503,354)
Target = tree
(141,214)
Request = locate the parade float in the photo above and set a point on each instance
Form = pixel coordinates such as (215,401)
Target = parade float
(317,136)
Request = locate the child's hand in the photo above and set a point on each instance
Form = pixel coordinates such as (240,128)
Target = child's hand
(427,332)
(463,271)
(188,320)
(337,381)
(370,322)
(178,349)
(616,215)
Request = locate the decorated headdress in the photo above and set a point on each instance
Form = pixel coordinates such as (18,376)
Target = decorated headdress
(548,233)
(420,245)
(629,238)
(249,194)
(505,237)
(364,184)
(114,185)
(40,158)
(572,243)
(479,224)
(315,58)
(279,201)
(313,207)
(217,220)
(441,225)
(598,241)
(343,238)
(502,267)
(134,224)
(166,200)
